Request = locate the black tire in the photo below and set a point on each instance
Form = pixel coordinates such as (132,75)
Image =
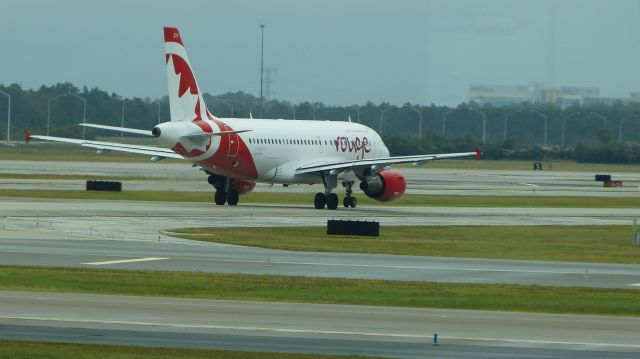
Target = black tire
(353,203)
(332,201)
(319,201)
(233,197)
(346,202)
(220,198)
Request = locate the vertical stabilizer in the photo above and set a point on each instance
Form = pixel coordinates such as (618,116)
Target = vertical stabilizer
(185,99)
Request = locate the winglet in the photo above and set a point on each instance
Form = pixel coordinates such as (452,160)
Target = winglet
(27,135)
(478,153)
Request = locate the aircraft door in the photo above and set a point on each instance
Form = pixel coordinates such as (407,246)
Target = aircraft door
(234,145)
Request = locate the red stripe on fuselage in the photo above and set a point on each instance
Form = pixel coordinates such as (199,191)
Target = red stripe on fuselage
(238,166)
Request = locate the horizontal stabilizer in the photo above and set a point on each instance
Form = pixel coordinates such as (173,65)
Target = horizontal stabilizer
(118,129)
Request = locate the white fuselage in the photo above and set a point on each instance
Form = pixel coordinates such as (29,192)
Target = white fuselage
(279,147)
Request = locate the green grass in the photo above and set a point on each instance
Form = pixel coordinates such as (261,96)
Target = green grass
(306,199)
(16,349)
(323,290)
(606,244)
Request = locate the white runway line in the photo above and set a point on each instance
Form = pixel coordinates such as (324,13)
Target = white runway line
(133,260)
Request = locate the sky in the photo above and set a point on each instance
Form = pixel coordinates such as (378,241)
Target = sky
(339,52)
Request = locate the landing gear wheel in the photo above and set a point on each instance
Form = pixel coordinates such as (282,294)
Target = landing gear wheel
(332,201)
(354,202)
(232,197)
(220,198)
(319,201)
(346,202)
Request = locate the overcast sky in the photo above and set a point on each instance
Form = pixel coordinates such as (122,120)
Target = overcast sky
(335,51)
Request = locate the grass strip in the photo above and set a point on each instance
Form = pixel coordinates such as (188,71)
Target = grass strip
(323,290)
(17,349)
(606,244)
(42,151)
(534,201)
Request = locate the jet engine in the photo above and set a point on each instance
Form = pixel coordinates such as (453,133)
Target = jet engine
(384,186)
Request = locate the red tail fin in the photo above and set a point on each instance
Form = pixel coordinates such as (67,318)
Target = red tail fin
(27,136)
(478,153)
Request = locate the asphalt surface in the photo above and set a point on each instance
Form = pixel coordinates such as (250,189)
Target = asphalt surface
(335,329)
(74,233)
(129,235)
(169,176)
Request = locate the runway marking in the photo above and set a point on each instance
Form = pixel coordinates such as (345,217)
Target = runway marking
(326,332)
(133,260)
(528,184)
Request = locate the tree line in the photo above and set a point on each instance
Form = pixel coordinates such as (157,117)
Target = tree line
(597,132)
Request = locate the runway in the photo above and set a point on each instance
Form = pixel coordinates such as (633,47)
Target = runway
(129,235)
(421,180)
(331,329)
(73,233)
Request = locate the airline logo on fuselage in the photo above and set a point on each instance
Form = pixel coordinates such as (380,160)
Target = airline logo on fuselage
(357,145)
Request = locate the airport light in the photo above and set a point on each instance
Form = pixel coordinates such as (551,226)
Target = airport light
(262,26)
(419,121)
(294,111)
(382,119)
(8,116)
(604,119)
(226,103)
(620,126)
(444,120)
(564,125)
(545,123)
(122,120)
(84,111)
(482,114)
(357,112)
(506,122)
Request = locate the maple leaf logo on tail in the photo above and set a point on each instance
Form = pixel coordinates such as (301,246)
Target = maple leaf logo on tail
(185,99)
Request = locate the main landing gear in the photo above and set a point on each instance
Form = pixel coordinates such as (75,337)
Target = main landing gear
(224,192)
(329,199)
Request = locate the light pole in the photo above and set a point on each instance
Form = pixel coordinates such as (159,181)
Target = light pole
(382,118)
(545,123)
(444,120)
(506,121)
(419,122)
(122,120)
(564,125)
(262,26)
(49,110)
(357,112)
(8,116)
(315,105)
(482,114)
(159,111)
(484,122)
(228,104)
(620,126)
(604,119)
(294,111)
(84,110)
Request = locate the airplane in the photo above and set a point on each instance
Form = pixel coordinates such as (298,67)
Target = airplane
(236,153)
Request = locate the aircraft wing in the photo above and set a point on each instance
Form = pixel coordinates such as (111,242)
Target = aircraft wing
(382,162)
(111,146)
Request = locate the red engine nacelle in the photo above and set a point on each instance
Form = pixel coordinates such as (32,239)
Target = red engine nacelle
(243,187)
(384,186)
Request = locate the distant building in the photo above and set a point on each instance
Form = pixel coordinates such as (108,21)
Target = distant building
(564,96)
